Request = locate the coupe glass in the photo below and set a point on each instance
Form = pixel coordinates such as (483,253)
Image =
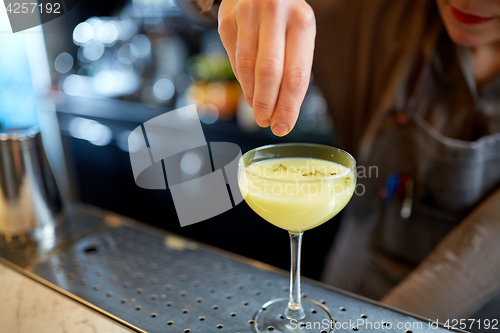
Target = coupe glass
(296,187)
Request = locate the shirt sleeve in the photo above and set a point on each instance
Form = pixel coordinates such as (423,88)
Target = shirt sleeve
(461,275)
(206,5)
(201,12)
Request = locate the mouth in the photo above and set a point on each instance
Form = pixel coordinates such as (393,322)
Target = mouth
(469,18)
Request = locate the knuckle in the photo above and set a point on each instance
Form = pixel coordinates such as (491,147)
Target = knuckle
(245,6)
(261,105)
(287,113)
(245,65)
(225,22)
(269,69)
(273,6)
(288,110)
(224,25)
(303,16)
(296,79)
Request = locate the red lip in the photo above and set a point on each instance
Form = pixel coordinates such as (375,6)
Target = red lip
(468,18)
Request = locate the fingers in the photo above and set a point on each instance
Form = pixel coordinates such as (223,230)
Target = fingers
(246,47)
(270,44)
(227,31)
(297,70)
(270,61)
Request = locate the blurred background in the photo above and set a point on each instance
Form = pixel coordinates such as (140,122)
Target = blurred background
(114,65)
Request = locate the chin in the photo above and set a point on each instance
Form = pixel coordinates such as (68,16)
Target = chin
(463,38)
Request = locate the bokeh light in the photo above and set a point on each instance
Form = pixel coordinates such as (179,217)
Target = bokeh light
(82,33)
(164,89)
(127,53)
(208,113)
(108,33)
(90,130)
(63,63)
(73,85)
(191,163)
(93,50)
(143,45)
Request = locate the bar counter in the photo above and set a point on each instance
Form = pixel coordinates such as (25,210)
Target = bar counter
(147,280)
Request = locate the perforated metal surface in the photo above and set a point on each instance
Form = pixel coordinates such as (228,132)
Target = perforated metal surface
(160,282)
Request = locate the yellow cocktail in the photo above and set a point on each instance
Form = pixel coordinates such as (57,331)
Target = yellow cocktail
(297,194)
(296,187)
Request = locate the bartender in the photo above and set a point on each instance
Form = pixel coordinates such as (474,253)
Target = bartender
(414,90)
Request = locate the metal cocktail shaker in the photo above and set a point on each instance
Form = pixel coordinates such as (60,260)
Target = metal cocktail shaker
(30,202)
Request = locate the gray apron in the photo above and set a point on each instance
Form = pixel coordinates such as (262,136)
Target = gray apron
(378,246)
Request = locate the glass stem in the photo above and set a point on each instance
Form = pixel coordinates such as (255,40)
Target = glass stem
(294,309)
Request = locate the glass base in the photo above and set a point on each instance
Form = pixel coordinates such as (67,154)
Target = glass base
(271,318)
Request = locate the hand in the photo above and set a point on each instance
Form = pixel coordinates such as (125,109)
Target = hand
(270,44)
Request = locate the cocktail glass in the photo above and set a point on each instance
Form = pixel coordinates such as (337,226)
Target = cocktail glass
(296,186)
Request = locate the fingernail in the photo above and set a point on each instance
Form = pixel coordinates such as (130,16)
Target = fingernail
(263,122)
(280,129)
